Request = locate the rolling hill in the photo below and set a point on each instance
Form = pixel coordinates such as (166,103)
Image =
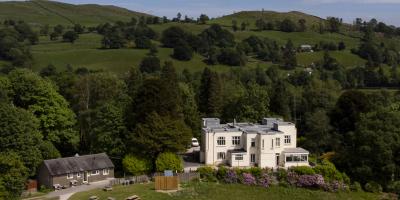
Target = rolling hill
(40,12)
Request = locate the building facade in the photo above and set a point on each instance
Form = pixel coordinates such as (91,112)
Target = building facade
(270,144)
(77,170)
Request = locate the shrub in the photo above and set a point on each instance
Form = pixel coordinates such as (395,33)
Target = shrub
(207,174)
(143,43)
(303,170)
(373,187)
(356,187)
(311,181)
(292,178)
(394,187)
(281,175)
(221,173)
(150,64)
(136,165)
(183,52)
(328,171)
(265,180)
(248,179)
(70,36)
(168,161)
(231,177)
(335,186)
(256,172)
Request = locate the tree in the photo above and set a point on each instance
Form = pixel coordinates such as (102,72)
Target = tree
(113,40)
(302,25)
(341,46)
(157,134)
(136,165)
(70,36)
(210,100)
(254,105)
(13,176)
(329,63)
(19,134)
(235,25)
(183,52)
(232,57)
(189,108)
(59,29)
(44,30)
(79,28)
(243,26)
(287,25)
(319,138)
(333,24)
(54,36)
(150,64)
(203,19)
(143,43)
(215,35)
(168,161)
(260,24)
(173,36)
(40,97)
(289,55)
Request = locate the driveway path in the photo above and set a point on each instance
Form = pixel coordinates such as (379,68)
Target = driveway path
(65,194)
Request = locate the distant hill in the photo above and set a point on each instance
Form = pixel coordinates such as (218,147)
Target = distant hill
(50,12)
(272,16)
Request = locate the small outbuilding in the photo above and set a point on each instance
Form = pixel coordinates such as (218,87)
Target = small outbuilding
(73,171)
(306,48)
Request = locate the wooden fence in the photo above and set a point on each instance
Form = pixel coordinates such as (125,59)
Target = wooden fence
(130,180)
(183,177)
(166,182)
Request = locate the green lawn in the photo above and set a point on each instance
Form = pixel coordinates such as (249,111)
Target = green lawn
(213,191)
(345,58)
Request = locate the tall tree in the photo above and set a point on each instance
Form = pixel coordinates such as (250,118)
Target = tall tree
(289,55)
(13,176)
(210,99)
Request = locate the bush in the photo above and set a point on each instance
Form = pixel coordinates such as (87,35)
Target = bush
(150,64)
(70,36)
(264,180)
(168,161)
(303,170)
(231,177)
(248,179)
(356,187)
(328,171)
(207,174)
(143,43)
(136,165)
(221,173)
(281,175)
(373,187)
(256,172)
(292,178)
(311,181)
(394,187)
(183,52)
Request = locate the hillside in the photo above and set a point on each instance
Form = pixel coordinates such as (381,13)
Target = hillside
(271,16)
(40,12)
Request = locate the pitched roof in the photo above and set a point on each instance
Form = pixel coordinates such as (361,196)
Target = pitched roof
(78,164)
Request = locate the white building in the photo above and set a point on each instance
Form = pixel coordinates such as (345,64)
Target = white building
(270,144)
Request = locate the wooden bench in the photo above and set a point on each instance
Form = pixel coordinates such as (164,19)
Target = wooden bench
(134,197)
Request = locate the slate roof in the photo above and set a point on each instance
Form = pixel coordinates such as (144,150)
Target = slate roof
(75,164)
(295,150)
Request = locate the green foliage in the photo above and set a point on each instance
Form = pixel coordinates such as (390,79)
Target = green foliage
(210,100)
(221,172)
(394,187)
(168,161)
(143,43)
(356,187)
(70,36)
(183,52)
(40,97)
(207,173)
(150,64)
(328,171)
(13,175)
(373,187)
(136,165)
(19,134)
(303,170)
(254,104)
(150,136)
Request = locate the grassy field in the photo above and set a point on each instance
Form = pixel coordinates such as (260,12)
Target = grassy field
(40,12)
(213,191)
(86,52)
(345,58)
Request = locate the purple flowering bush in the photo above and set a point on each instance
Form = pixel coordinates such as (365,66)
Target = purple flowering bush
(265,180)
(231,177)
(248,179)
(311,181)
(292,178)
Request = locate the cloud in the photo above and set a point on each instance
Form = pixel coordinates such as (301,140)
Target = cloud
(353,1)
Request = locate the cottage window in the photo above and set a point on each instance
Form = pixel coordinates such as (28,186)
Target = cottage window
(106,171)
(239,157)
(297,158)
(287,139)
(278,142)
(221,155)
(253,142)
(70,176)
(221,141)
(78,174)
(236,140)
(252,158)
(95,172)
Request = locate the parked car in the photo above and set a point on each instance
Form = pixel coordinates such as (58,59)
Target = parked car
(195,142)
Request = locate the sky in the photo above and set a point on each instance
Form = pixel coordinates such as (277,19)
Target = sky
(387,11)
